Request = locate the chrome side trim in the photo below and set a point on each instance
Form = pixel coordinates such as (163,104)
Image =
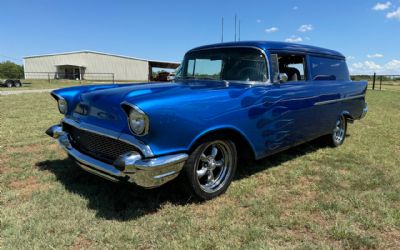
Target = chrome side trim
(339,100)
(144,149)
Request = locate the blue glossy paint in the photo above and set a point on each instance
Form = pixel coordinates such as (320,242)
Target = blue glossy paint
(271,117)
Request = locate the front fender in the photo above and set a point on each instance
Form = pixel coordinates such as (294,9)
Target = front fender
(222,130)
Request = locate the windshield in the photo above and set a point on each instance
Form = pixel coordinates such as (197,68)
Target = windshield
(230,64)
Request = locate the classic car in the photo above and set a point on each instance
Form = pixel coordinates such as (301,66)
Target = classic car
(227,100)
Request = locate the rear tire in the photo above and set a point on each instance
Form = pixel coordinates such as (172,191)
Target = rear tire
(211,167)
(338,135)
(17,83)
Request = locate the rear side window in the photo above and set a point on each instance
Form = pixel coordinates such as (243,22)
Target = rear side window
(328,69)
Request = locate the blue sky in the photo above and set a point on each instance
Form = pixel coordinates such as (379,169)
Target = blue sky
(367,31)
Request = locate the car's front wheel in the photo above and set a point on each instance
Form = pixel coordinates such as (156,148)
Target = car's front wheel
(211,168)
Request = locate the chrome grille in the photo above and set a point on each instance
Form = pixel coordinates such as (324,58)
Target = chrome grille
(98,146)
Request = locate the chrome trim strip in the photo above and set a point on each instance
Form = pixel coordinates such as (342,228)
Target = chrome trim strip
(144,149)
(339,100)
(168,160)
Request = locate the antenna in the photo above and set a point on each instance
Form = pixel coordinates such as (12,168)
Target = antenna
(222,31)
(235,26)
(239,30)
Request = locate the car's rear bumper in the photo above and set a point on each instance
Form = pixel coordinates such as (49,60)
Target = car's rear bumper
(365,111)
(148,172)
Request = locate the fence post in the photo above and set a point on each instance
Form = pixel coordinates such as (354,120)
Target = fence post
(48,77)
(113,78)
(373,82)
(380,83)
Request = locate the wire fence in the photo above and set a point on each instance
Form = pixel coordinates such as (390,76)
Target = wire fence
(380,82)
(50,76)
(43,79)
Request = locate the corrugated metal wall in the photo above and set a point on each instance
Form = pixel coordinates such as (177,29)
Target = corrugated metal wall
(124,69)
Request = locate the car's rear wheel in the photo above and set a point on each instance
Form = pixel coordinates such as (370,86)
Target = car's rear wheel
(211,168)
(338,135)
(17,83)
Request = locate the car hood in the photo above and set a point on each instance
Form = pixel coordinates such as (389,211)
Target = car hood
(102,107)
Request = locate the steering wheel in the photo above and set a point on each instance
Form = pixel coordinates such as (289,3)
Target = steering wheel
(246,72)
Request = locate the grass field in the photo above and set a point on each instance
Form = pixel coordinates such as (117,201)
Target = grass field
(307,197)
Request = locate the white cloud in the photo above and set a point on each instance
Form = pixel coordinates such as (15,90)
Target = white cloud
(382,6)
(372,65)
(258,20)
(394,14)
(377,55)
(369,67)
(306,27)
(272,29)
(294,39)
(295,8)
(350,57)
(393,65)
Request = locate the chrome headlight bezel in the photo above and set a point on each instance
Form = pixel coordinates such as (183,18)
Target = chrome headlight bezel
(62,105)
(138,121)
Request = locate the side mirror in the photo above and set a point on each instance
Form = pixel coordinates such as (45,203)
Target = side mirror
(283,77)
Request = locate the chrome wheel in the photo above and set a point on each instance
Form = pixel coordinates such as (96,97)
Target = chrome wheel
(214,166)
(339,132)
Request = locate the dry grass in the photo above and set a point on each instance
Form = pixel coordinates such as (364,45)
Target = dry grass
(307,197)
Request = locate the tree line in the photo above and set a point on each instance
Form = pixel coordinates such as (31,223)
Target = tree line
(10,70)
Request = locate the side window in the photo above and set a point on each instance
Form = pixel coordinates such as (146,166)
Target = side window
(328,69)
(294,66)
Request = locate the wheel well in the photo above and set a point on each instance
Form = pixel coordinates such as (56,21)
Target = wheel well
(348,117)
(243,147)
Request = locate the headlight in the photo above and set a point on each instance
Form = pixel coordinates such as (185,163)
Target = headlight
(62,106)
(138,121)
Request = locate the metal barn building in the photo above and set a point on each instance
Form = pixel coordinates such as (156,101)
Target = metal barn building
(91,65)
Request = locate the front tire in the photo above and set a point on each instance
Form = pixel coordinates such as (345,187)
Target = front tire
(211,168)
(338,135)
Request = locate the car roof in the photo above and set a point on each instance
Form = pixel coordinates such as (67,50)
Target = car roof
(276,46)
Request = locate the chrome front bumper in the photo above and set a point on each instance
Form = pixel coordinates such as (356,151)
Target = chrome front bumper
(148,173)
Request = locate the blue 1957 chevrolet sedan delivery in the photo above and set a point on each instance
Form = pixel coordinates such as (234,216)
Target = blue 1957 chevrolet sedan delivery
(227,99)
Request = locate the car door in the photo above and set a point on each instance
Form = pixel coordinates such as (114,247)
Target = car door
(290,111)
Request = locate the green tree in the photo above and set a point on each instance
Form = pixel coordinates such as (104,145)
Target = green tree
(10,70)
